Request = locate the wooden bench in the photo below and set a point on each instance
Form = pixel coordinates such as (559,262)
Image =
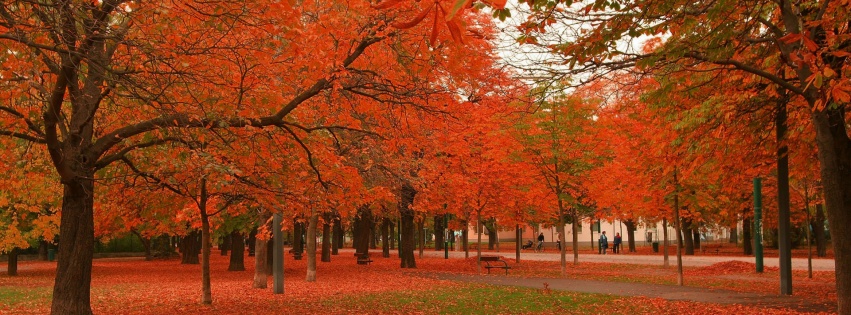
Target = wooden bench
(494,259)
(363,259)
(711,247)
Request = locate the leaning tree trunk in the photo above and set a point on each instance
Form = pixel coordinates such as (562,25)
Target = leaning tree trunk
(818,232)
(326,237)
(311,248)
(406,244)
(237,252)
(438,233)
(12,266)
(72,285)
(630,234)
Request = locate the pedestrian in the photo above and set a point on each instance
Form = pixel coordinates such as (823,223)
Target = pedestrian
(541,241)
(616,247)
(558,240)
(604,243)
(457,243)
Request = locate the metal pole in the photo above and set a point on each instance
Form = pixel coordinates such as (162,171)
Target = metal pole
(278,252)
(757,222)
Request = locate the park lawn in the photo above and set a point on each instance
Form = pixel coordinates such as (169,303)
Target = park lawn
(132,286)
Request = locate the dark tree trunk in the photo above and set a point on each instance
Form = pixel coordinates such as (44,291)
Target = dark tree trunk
(12,267)
(373,234)
(747,240)
(252,237)
(630,234)
(734,234)
(392,235)
(326,237)
(385,237)
(42,249)
(206,246)
(190,248)
(237,252)
(464,241)
(687,239)
(363,224)
(818,232)
(298,239)
(438,233)
(224,244)
(421,233)
(72,287)
(492,235)
(338,235)
(406,245)
(270,258)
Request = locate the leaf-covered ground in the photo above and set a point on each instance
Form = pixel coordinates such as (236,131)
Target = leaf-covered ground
(132,286)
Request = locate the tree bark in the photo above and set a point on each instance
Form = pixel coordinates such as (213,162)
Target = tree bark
(392,235)
(665,243)
(298,239)
(42,249)
(421,233)
(696,233)
(311,248)
(338,235)
(190,248)
(630,234)
(224,244)
(72,285)
(747,239)
(490,225)
(464,238)
(686,236)
(406,244)
(12,266)
(326,237)
(385,237)
(261,279)
(734,234)
(206,247)
(438,233)
(818,231)
(252,237)
(237,252)
(362,232)
(575,237)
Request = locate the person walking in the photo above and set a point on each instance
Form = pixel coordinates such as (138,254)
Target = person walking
(604,243)
(616,245)
(540,242)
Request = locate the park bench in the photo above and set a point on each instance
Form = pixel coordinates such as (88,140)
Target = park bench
(363,258)
(494,259)
(711,247)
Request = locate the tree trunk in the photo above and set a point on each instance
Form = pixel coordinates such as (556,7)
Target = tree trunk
(190,248)
(298,239)
(362,231)
(665,243)
(270,257)
(687,239)
(464,237)
(206,247)
(326,237)
(72,285)
(252,237)
(678,229)
(479,242)
(224,244)
(438,233)
(406,244)
(422,234)
(734,234)
(696,233)
(146,243)
(385,237)
(311,248)
(237,252)
(630,234)
(12,266)
(575,238)
(338,235)
(747,239)
(261,279)
(392,235)
(373,234)
(490,225)
(42,249)
(818,232)
(518,240)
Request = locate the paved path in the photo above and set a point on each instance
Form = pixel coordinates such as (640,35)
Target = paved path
(690,261)
(668,292)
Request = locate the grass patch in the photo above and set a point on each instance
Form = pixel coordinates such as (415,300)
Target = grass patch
(14,296)
(474,299)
